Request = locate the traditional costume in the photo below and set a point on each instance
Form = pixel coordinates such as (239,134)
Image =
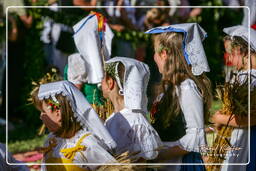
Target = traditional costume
(187,129)
(129,127)
(239,137)
(93,38)
(89,145)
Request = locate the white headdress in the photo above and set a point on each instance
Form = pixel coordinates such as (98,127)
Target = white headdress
(134,89)
(83,111)
(243,32)
(192,44)
(93,38)
(76,69)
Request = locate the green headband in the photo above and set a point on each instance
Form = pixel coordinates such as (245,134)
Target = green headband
(161,47)
(111,69)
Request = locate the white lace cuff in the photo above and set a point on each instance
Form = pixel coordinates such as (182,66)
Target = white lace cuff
(193,140)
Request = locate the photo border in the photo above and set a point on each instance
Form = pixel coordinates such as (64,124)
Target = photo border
(139,164)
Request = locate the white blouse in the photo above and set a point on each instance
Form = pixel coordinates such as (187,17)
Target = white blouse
(92,153)
(132,132)
(191,103)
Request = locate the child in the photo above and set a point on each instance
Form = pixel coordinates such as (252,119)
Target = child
(85,69)
(180,111)
(77,134)
(125,84)
(239,136)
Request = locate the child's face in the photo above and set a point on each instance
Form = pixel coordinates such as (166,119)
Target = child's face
(105,87)
(51,119)
(237,58)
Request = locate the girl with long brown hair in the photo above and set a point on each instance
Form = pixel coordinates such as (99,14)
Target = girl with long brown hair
(180,112)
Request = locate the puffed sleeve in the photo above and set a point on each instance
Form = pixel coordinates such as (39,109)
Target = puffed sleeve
(146,140)
(191,103)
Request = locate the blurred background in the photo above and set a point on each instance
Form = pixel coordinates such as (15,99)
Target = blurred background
(41,38)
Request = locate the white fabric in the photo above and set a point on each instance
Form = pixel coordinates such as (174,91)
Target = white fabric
(192,44)
(251,4)
(135,84)
(6,167)
(94,152)
(133,133)
(243,75)
(76,69)
(243,32)
(47,30)
(239,136)
(55,35)
(83,112)
(94,51)
(191,103)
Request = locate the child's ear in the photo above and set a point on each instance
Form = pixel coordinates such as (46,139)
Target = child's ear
(111,83)
(58,114)
(163,54)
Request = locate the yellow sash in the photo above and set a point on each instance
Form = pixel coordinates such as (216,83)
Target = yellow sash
(69,154)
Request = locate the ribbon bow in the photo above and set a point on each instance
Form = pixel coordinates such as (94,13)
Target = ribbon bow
(70,153)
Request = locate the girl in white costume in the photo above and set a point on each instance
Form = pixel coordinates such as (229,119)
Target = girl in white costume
(239,137)
(77,134)
(125,84)
(181,110)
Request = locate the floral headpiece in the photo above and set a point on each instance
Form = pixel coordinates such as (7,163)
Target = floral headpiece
(161,48)
(112,70)
(53,103)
